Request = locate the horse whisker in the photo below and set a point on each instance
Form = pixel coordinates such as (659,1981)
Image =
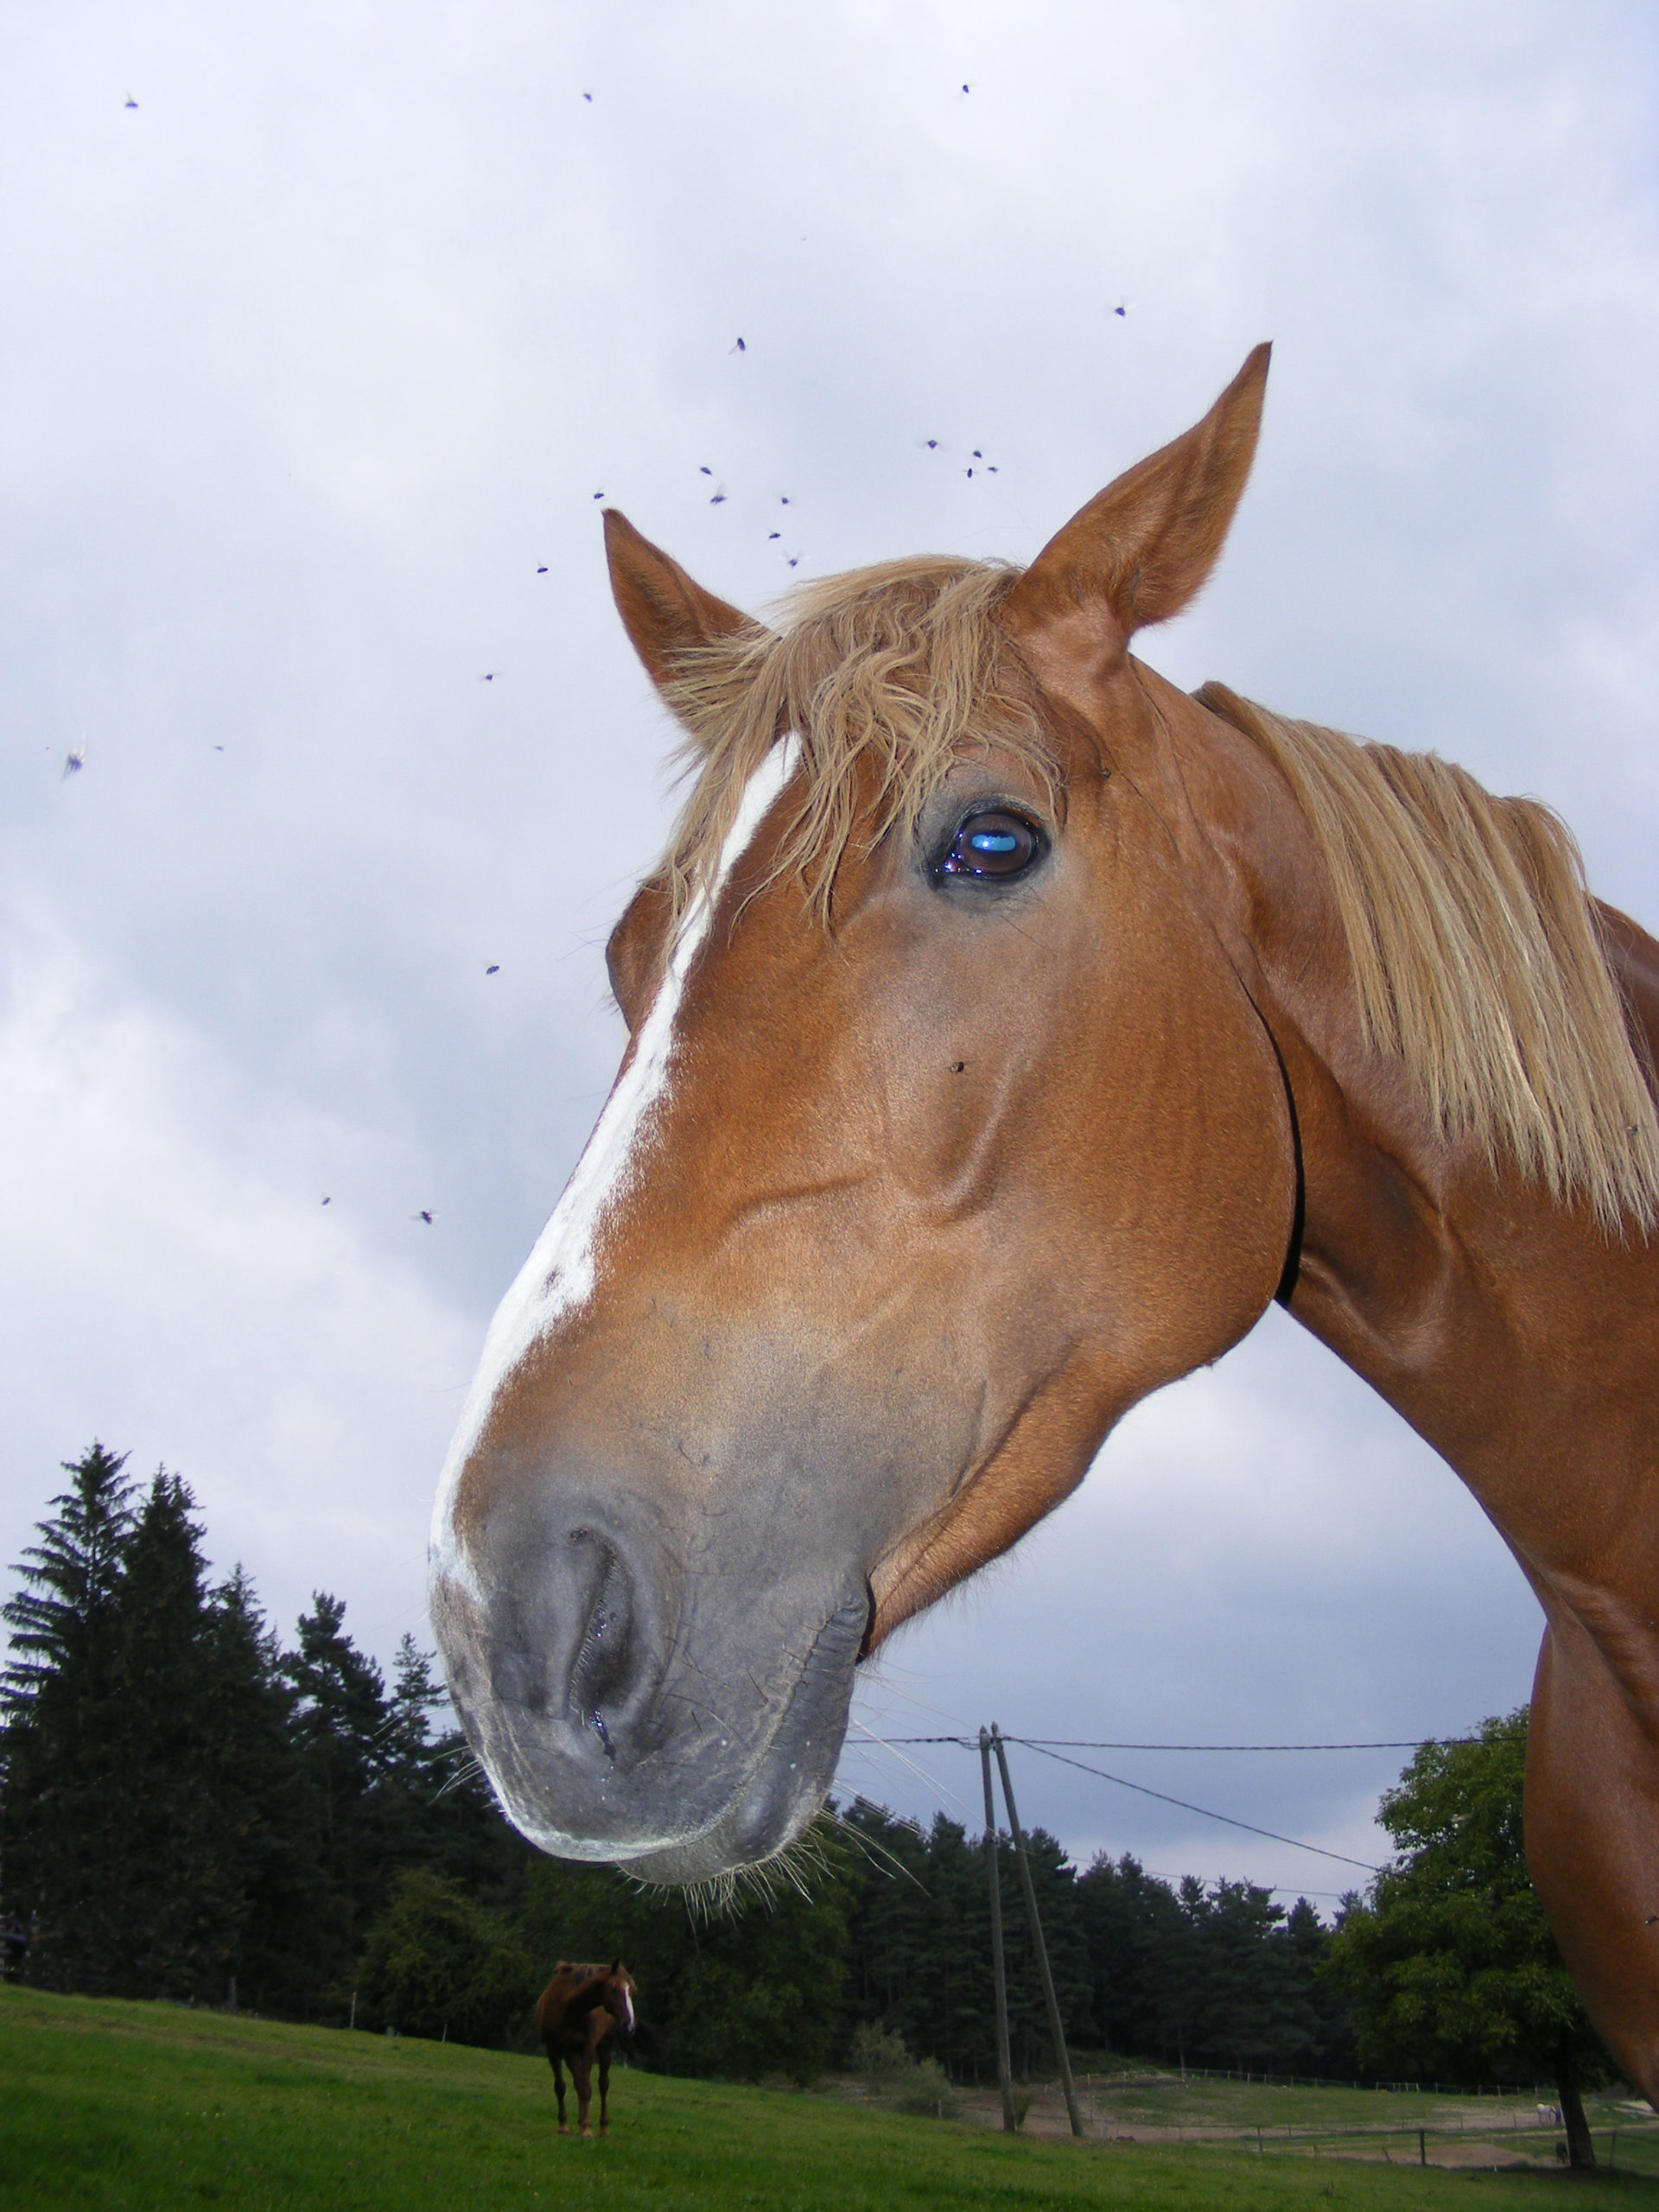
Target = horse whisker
(875,1852)
(470,1769)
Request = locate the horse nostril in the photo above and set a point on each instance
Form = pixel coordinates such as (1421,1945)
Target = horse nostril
(581,1630)
(604,1666)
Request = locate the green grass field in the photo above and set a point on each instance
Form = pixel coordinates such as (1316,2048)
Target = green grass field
(147,2106)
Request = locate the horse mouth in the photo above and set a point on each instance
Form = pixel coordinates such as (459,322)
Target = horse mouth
(787,1779)
(702,1769)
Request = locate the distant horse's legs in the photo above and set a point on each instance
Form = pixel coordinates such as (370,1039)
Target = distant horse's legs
(1592,1842)
(582,2066)
(558,2083)
(604,2089)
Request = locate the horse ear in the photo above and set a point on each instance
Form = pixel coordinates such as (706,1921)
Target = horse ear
(663,610)
(1142,550)
(616,1967)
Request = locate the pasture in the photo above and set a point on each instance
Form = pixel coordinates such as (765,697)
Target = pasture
(132,2106)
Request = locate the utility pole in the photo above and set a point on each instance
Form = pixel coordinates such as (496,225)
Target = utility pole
(999,1968)
(1037,1943)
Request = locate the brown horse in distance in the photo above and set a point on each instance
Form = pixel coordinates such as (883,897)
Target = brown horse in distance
(579,2014)
(1008,1029)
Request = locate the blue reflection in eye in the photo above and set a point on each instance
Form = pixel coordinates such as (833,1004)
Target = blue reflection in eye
(993,846)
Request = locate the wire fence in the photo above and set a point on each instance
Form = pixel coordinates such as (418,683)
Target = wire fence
(1162,2077)
(1538,2141)
(1530,2130)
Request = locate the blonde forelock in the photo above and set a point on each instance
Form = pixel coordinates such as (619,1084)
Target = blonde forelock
(887,676)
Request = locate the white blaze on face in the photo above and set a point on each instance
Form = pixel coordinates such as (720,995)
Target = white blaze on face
(627,2000)
(558,1276)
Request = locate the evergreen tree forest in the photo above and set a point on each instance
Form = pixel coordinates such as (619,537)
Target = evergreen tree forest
(190,1810)
(197,1810)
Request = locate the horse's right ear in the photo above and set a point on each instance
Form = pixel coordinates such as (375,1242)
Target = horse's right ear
(616,1967)
(663,610)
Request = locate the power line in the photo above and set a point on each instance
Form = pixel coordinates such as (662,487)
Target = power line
(1078,1744)
(1249,1826)
(1045,1747)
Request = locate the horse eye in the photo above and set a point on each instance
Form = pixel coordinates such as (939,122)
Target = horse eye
(994,845)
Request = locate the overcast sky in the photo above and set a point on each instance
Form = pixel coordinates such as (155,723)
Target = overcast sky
(316,360)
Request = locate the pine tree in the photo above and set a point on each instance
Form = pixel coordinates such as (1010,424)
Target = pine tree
(265,1808)
(1139,1941)
(340,1721)
(415,1695)
(920,1945)
(1333,2051)
(404,1813)
(165,1915)
(429,1805)
(60,1826)
(156,1835)
(888,1938)
(58,1626)
(1251,1996)
(947,2007)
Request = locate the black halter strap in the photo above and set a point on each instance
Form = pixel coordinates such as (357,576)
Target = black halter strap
(1292,1265)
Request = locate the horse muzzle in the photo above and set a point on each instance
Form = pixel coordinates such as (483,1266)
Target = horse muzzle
(628,1709)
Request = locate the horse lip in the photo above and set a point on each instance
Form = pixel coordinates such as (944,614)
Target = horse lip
(759,1819)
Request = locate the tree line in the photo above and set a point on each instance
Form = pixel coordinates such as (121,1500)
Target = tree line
(190,1810)
(193,1810)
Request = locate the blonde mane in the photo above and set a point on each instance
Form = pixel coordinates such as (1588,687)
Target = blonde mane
(1477,957)
(1477,960)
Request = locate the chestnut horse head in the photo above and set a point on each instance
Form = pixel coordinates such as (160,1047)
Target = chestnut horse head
(945,1133)
(1007,1029)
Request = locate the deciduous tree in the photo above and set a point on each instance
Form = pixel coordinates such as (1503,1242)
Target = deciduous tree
(1451,1967)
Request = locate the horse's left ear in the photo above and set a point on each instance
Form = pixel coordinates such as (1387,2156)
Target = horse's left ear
(1141,550)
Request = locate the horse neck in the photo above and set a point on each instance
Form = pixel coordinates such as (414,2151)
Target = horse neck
(1506,1328)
